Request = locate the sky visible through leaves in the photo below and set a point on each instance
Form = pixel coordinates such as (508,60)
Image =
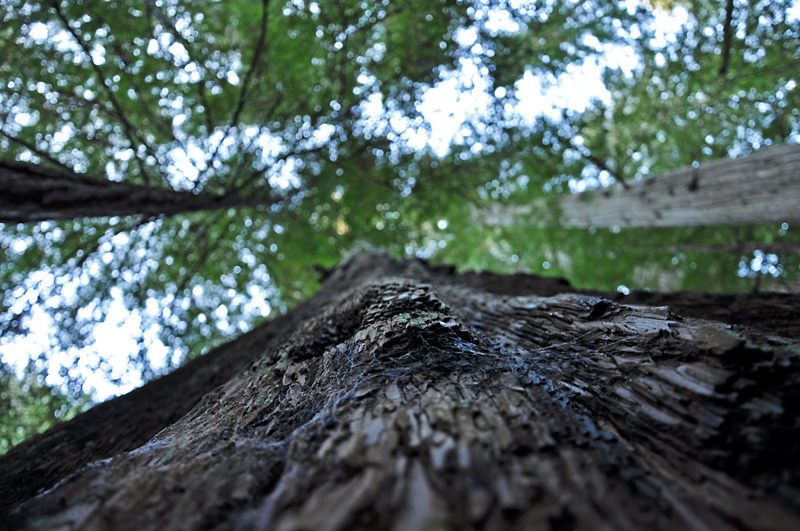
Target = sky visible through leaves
(446,107)
(354,125)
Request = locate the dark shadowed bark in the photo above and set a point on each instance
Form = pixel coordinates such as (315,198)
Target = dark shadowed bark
(30,193)
(778,313)
(407,396)
(727,39)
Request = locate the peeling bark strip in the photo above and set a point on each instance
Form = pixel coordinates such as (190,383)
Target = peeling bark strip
(760,188)
(403,397)
(31,193)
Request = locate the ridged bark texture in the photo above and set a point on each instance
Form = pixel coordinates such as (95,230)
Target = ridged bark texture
(405,397)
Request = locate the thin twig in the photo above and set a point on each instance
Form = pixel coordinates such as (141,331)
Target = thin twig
(130,131)
(36,151)
(254,64)
(191,52)
(207,251)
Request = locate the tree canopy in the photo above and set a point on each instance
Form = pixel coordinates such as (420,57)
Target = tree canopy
(319,127)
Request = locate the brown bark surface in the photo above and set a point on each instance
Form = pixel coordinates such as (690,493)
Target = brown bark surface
(778,313)
(406,396)
(31,193)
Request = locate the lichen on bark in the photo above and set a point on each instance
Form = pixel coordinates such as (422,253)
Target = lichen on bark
(404,398)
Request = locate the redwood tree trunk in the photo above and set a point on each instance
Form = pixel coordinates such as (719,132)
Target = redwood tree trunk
(760,188)
(756,189)
(406,396)
(31,193)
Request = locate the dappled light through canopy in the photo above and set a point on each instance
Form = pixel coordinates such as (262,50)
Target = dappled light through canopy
(226,151)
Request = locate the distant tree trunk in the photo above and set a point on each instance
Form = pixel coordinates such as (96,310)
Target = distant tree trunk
(759,188)
(727,39)
(407,396)
(31,193)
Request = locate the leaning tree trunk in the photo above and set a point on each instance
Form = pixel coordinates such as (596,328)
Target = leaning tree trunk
(760,188)
(406,396)
(31,193)
(756,189)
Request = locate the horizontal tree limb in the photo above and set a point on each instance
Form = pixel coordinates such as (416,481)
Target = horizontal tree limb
(33,193)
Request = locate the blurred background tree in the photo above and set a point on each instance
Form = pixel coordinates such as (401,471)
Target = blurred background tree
(346,124)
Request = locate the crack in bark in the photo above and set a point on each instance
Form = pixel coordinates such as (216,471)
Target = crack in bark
(403,397)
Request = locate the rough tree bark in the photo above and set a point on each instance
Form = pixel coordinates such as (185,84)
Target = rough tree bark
(407,396)
(31,193)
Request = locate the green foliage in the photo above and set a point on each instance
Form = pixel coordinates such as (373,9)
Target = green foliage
(28,406)
(555,36)
(318,110)
(678,108)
